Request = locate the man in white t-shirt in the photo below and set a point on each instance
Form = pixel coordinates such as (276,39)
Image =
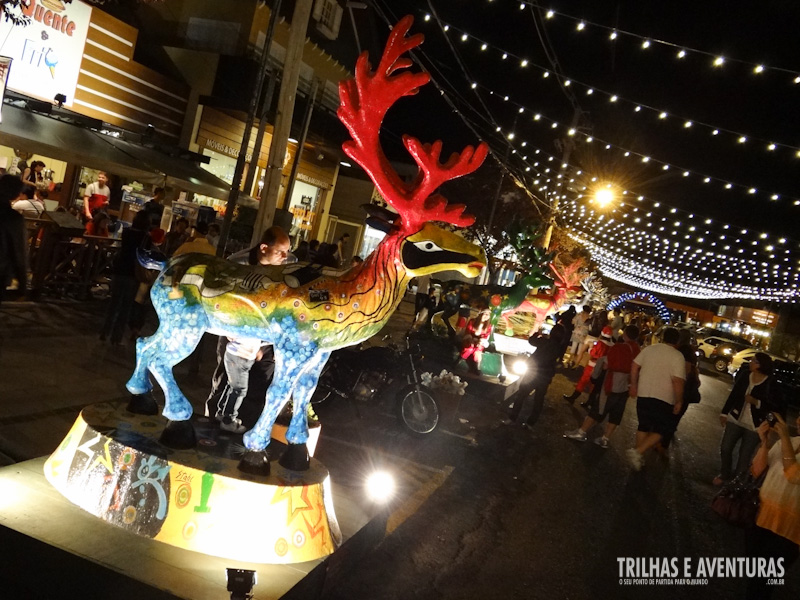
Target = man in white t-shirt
(657,377)
(96,196)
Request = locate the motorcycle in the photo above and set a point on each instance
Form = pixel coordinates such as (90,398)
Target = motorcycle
(364,374)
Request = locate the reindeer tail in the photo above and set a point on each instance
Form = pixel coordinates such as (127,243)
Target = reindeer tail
(151,259)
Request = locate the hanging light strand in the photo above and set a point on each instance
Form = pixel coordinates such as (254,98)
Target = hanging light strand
(690,174)
(589,91)
(653,252)
(680,51)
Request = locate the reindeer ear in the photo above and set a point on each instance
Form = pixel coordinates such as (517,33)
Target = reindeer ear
(380,224)
(373,210)
(380,218)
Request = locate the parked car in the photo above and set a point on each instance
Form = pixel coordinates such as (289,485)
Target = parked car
(744,356)
(707,345)
(705,332)
(722,354)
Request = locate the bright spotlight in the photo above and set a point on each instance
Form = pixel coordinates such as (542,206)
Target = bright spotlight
(380,486)
(604,196)
(520,367)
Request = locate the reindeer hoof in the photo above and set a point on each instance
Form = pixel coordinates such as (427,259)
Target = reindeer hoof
(295,458)
(142,404)
(178,435)
(255,462)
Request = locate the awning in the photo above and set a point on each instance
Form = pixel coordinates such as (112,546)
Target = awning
(31,132)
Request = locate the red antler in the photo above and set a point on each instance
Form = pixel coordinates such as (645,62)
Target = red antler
(364,103)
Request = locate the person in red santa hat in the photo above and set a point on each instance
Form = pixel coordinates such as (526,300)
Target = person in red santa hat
(599,350)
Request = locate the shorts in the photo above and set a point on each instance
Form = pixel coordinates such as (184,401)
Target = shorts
(655,416)
(614,408)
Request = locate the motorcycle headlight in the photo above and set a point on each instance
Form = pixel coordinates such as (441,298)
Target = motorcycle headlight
(520,367)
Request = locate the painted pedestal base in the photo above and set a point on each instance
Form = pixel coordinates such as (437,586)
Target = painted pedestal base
(111,465)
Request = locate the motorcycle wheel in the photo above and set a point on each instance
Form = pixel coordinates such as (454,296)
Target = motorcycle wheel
(418,409)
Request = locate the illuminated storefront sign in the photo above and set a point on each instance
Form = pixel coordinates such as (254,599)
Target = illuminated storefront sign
(47,52)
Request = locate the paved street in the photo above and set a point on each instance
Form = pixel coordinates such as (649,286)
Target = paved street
(518,514)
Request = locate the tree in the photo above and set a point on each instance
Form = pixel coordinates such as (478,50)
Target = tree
(479,192)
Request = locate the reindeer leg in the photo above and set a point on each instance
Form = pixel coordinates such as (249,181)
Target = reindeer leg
(139,383)
(301,396)
(278,394)
(181,343)
(181,326)
(148,348)
(296,456)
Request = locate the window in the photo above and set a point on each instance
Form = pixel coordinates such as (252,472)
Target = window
(328,15)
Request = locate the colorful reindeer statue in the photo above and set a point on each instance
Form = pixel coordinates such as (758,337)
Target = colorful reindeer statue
(567,286)
(534,260)
(306,320)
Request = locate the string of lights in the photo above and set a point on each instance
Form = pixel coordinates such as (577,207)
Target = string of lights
(497,154)
(689,173)
(679,51)
(684,255)
(685,123)
(670,251)
(663,311)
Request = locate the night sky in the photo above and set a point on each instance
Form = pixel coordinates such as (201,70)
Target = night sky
(731,98)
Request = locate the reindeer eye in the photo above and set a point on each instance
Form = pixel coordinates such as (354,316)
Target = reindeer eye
(427,246)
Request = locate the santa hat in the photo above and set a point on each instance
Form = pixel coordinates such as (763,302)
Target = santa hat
(158,235)
(606,333)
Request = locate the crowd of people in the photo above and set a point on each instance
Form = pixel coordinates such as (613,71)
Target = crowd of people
(662,376)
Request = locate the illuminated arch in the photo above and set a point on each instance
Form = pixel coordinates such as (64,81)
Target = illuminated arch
(663,311)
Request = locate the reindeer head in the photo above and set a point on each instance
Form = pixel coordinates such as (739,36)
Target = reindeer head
(423,247)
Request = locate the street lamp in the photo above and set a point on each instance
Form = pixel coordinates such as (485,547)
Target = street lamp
(604,196)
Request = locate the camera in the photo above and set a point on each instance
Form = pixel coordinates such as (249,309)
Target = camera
(241,583)
(771,419)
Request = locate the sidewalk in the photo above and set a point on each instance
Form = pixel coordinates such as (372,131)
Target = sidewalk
(52,364)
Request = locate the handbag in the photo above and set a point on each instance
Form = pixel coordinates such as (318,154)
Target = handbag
(691,390)
(738,501)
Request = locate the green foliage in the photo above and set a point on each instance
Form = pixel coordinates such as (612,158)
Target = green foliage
(785,344)
(525,238)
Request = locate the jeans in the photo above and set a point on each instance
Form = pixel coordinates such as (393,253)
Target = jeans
(749,441)
(238,372)
(539,386)
(260,378)
(123,293)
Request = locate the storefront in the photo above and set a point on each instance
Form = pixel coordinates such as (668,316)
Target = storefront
(74,154)
(219,137)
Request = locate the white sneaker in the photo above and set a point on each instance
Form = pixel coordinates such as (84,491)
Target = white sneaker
(636,459)
(601,441)
(578,435)
(232,425)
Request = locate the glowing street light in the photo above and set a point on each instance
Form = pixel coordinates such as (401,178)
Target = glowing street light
(604,196)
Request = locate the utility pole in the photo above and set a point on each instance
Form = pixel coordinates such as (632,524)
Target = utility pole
(303,135)
(251,113)
(283,118)
(262,126)
(569,145)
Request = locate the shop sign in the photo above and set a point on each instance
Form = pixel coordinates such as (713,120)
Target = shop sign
(225,149)
(5,65)
(48,51)
(313,181)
